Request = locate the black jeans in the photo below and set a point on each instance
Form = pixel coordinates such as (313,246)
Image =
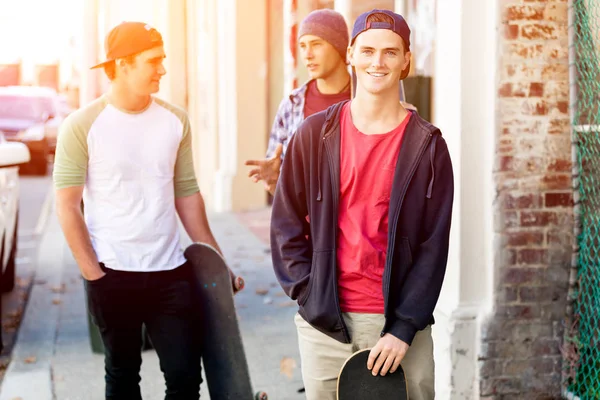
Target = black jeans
(120,302)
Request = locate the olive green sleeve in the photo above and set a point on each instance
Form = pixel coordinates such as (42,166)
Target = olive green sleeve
(185,177)
(71,157)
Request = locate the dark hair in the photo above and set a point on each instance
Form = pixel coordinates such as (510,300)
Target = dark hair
(110,68)
(381,17)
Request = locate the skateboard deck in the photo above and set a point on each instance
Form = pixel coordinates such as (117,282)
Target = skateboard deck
(356,382)
(223,353)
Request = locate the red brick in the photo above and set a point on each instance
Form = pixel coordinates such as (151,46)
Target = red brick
(563,106)
(536,89)
(558,199)
(538,218)
(522,276)
(559,125)
(539,31)
(525,238)
(510,294)
(560,165)
(521,12)
(555,72)
(505,163)
(505,146)
(508,219)
(511,31)
(520,89)
(532,256)
(557,182)
(546,347)
(505,90)
(559,238)
(535,107)
(523,51)
(518,202)
(519,311)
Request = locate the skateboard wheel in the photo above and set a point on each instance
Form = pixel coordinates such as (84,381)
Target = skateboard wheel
(261,396)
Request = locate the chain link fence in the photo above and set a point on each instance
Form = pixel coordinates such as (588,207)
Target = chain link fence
(582,338)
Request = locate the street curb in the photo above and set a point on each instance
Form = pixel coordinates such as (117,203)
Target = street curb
(29,375)
(47,208)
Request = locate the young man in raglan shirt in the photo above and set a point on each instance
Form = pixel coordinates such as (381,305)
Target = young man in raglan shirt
(323,42)
(128,155)
(376,181)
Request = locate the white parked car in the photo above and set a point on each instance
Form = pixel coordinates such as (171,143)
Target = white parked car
(12,155)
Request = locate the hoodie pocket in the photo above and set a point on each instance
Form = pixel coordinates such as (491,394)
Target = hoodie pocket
(319,307)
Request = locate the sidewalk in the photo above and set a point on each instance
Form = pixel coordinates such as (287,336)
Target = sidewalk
(52,358)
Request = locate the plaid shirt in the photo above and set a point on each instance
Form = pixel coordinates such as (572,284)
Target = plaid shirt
(289,117)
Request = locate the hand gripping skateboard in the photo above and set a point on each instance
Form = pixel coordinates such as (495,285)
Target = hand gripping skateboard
(356,382)
(223,353)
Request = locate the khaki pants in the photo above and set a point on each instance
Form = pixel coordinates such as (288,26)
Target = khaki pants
(322,357)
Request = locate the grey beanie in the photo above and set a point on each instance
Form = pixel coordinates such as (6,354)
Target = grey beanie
(330,26)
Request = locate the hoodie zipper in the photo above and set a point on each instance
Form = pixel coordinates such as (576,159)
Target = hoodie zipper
(336,201)
(392,239)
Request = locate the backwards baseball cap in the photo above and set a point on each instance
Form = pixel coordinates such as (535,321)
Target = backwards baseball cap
(129,38)
(398,26)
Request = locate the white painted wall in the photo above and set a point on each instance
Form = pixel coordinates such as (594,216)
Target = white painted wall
(465,65)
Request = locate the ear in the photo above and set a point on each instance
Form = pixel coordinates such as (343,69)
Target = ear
(407,58)
(350,55)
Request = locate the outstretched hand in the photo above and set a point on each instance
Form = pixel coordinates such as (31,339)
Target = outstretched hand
(386,355)
(267,170)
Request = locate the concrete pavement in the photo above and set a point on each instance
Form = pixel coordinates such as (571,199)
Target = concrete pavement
(52,358)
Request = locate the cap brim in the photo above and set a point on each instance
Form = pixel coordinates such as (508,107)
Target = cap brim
(102,64)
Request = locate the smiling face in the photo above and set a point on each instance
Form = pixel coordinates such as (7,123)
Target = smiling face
(319,56)
(143,74)
(378,57)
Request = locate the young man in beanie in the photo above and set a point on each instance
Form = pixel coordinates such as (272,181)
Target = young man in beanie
(383,176)
(323,41)
(128,155)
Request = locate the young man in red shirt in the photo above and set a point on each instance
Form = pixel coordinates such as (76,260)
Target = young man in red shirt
(376,182)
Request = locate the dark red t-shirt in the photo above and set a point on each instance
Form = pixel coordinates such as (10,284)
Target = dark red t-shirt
(367,165)
(315,101)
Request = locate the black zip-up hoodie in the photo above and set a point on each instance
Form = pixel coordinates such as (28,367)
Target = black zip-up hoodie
(304,255)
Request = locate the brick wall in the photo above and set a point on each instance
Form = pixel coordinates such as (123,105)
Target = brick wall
(521,347)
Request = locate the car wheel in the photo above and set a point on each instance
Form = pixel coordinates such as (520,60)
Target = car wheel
(7,283)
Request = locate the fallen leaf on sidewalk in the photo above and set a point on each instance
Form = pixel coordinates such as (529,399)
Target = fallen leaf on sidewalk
(17,398)
(262,291)
(280,294)
(290,303)
(287,366)
(30,360)
(59,289)
(56,302)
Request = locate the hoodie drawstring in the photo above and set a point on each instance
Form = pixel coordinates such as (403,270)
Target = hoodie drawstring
(431,160)
(319,194)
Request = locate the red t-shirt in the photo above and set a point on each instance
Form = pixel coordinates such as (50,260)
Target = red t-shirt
(367,165)
(316,101)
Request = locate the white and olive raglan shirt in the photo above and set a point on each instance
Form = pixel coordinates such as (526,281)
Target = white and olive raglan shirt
(132,167)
